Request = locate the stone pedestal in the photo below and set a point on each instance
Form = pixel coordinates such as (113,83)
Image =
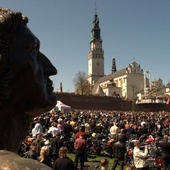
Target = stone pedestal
(12,161)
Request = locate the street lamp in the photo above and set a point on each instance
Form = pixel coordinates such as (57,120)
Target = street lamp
(133,101)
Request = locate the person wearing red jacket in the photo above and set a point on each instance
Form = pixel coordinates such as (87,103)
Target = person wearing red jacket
(81,132)
(80,146)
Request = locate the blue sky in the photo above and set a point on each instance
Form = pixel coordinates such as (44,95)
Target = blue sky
(130,29)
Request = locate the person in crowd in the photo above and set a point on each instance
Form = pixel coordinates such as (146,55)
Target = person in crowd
(67,130)
(44,156)
(106,123)
(92,125)
(56,144)
(26,90)
(124,134)
(60,126)
(33,132)
(165,150)
(144,128)
(139,130)
(130,130)
(119,153)
(121,124)
(40,142)
(38,128)
(139,156)
(99,128)
(87,128)
(81,132)
(128,168)
(63,162)
(104,164)
(159,127)
(53,129)
(60,122)
(80,146)
(46,121)
(47,139)
(73,122)
(32,153)
(114,129)
(127,125)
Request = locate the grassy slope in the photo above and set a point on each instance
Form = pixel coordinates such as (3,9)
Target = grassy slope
(95,160)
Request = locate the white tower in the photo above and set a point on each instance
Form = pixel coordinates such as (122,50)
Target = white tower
(96,54)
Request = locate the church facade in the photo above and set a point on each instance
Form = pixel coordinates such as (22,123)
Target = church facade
(125,83)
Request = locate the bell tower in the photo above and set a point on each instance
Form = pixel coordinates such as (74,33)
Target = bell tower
(96,53)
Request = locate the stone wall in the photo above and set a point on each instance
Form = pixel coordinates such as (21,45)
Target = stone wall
(89,102)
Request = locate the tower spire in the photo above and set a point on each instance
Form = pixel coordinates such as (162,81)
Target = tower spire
(95,28)
(95,6)
(114,65)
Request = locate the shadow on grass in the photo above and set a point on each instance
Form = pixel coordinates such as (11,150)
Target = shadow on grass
(94,161)
(92,156)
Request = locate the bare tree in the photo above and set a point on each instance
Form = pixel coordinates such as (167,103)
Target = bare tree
(81,84)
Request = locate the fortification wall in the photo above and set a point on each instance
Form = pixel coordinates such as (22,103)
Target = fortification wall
(89,102)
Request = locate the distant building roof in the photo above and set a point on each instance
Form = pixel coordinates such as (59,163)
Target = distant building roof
(168,85)
(108,77)
(99,91)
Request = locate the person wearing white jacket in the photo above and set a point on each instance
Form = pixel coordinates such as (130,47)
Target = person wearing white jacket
(139,156)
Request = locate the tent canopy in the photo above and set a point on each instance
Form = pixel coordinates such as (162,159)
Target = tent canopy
(61,106)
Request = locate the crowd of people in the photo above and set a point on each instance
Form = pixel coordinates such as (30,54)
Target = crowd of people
(50,131)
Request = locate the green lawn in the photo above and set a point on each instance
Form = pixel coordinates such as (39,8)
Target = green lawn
(95,160)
